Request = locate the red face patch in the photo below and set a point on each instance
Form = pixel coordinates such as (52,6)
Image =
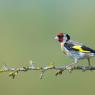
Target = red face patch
(60,37)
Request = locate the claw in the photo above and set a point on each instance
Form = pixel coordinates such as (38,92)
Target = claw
(70,67)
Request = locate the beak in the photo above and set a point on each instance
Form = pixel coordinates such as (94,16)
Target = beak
(56,38)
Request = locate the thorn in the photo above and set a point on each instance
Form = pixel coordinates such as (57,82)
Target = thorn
(31,62)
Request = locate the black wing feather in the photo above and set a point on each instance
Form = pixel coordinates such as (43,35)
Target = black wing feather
(88,49)
(69,47)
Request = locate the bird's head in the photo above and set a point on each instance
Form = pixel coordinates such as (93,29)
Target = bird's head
(62,37)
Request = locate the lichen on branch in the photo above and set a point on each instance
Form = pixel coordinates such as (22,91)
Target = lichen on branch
(13,71)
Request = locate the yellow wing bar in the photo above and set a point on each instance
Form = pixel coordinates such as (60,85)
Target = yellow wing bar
(79,48)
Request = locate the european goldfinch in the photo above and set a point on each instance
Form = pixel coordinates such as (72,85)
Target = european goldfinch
(74,49)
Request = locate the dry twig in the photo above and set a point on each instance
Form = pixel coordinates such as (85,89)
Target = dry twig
(14,71)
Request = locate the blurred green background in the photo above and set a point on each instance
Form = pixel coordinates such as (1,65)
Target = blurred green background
(27,30)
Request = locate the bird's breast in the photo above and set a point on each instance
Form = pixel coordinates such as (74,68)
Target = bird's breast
(66,52)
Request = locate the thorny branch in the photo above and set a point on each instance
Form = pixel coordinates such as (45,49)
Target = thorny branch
(13,71)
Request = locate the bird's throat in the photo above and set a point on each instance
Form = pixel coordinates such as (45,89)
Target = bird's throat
(64,49)
(62,46)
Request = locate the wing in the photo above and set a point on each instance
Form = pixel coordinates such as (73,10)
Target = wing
(75,46)
(83,49)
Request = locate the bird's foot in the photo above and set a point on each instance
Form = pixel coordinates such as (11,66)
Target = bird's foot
(70,67)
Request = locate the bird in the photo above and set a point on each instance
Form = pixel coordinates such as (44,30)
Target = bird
(76,50)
